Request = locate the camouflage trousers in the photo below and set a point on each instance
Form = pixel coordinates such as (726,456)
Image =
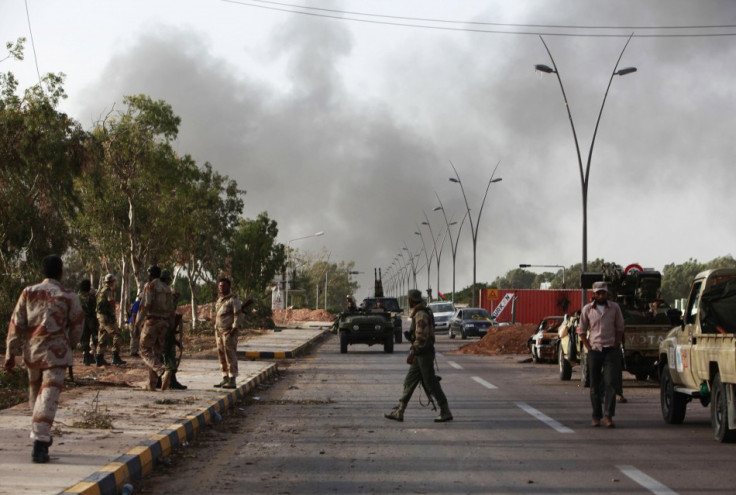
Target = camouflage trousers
(135,338)
(44,389)
(109,334)
(88,342)
(421,370)
(227,345)
(151,347)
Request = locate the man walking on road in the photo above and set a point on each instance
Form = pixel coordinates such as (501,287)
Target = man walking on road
(46,324)
(227,311)
(91,325)
(421,361)
(601,331)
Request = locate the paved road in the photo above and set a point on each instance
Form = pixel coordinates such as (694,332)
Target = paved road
(517,429)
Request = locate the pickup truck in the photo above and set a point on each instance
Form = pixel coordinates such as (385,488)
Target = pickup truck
(698,358)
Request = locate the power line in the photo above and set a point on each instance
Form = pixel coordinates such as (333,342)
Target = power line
(33,45)
(315,12)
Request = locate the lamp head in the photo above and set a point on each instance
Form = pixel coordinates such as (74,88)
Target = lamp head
(627,70)
(545,68)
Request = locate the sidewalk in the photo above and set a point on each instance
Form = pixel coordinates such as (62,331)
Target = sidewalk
(145,425)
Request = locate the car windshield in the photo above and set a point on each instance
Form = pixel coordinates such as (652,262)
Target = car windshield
(389,304)
(442,308)
(475,314)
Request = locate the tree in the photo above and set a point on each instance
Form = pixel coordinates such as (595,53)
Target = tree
(211,205)
(254,256)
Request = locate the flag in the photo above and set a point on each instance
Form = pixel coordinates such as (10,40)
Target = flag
(442,296)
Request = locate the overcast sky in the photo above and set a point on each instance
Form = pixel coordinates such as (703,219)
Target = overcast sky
(343,123)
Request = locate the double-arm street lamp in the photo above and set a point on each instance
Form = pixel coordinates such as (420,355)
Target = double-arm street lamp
(524,265)
(288,263)
(584,173)
(428,258)
(453,243)
(437,252)
(474,227)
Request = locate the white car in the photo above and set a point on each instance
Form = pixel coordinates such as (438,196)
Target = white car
(442,312)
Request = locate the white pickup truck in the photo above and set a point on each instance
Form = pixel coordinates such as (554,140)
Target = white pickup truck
(698,358)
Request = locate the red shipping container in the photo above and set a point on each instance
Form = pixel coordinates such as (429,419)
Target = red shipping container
(531,305)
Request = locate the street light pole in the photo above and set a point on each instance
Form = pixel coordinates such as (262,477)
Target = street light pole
(288,264)
(428,257)
(437,252)
(524,265)
(474,227)
(584,174)
(453,243)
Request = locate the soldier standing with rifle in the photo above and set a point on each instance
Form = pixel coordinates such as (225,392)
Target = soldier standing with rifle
(109,330)
(421,361)
(91,325)
(47,322)
(170,340)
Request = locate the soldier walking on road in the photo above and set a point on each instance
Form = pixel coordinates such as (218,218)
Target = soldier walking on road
(227,311)
(605,322)
(91,326)
(109,330)
(153,319)
(421,361)
(170,342)
(46,324)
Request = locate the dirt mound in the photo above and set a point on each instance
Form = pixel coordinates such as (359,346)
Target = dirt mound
(509,339)
(302,315)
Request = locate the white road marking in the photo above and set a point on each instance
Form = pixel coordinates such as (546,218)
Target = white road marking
(487,385)
(454,365)
(647,482)
(544,418)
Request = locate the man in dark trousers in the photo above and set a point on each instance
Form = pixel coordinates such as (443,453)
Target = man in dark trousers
(421,361)
(601,331)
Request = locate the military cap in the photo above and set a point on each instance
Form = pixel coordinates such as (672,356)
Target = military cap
(415,295)
(600,287)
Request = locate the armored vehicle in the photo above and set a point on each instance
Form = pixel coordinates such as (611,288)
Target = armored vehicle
(366,327)
(698,357)
(646,317)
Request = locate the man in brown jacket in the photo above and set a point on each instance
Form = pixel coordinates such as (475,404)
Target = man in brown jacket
(227,310)
(153,320)
(46,324)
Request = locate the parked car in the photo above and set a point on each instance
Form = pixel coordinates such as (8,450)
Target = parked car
(442,312)
(543,343)
(470,322)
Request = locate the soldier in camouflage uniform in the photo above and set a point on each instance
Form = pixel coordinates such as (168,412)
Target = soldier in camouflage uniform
(91,325)
(421,361)
(227,309)
(153,319)
(109,331)
(170,343)
(46,324)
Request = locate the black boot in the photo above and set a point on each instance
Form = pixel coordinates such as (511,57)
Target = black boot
(116,359)
(100,360)
(40,453)
(88,359)
(175,385)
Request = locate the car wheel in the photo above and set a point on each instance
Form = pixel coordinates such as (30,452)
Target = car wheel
(535,357)
(719,412)
(343,342)
(674,404)
(452,334)
(463,335)
(565,366)
(388,346)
